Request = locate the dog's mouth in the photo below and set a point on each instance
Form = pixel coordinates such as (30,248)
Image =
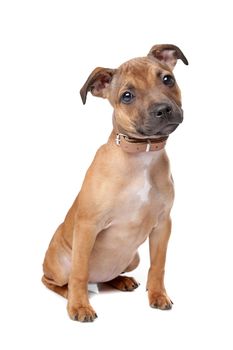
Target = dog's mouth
(164,132)
(168,129)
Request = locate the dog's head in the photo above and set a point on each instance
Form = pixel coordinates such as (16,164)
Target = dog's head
(143,92)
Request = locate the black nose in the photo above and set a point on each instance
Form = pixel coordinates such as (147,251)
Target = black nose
(161,110)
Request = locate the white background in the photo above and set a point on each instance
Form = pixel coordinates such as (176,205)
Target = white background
(48,138)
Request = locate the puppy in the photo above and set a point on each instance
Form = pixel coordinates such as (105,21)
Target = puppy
(127,193)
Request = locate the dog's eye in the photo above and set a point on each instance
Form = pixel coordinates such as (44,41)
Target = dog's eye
(168,80)
(127,97)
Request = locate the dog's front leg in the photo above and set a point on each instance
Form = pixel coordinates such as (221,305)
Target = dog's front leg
(158,241)
(79,308)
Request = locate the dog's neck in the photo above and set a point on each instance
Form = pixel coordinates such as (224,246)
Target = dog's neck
(137,145)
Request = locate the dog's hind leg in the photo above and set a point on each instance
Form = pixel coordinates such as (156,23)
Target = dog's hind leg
(57,264)
(61,290)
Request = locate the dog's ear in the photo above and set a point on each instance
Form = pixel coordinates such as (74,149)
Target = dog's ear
(97,82)
(168,54)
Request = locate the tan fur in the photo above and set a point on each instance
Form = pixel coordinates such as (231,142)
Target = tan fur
(125,198)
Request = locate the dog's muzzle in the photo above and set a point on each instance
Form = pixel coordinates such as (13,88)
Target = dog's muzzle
(162,119)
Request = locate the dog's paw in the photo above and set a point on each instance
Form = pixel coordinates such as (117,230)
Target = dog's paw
(160,300)
(82,313)
(124,283)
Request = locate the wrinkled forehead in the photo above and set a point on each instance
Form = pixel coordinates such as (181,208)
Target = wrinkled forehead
(137,72)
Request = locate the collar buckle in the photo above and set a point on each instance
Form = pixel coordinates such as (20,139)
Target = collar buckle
(118,138)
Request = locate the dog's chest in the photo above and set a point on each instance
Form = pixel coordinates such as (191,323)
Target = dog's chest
(137,199)
(142,191)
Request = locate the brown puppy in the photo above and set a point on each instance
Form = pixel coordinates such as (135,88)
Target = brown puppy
(127,193)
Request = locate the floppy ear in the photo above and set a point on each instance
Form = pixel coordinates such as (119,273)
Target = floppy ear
(168,54)
(97,82)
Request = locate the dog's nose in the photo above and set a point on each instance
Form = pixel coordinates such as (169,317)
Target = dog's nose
(162,110)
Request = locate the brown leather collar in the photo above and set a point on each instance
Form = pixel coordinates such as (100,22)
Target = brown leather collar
(137,145)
